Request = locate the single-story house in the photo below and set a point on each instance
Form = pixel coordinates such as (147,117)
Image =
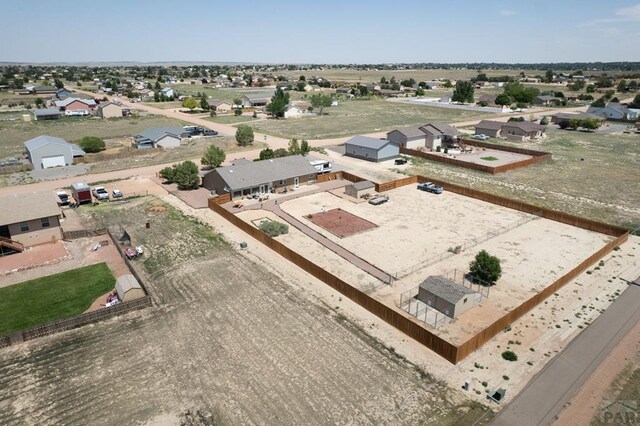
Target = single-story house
(371,149)
(109,110)
(28,219)
(294,111)
(76,104)
(486,98)
(446,296)
(38,90)
(407,137)
(168,92)
(47,151)
(489,128)
(63,93)
(359,189)
(565,117)
(250,177)
(547,100)
(220,107)
(164,137)
(523,130)
(256,99)
(438,134)
(128,288)
(46,114)
(613,110)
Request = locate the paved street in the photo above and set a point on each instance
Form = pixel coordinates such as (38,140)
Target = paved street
(544,397)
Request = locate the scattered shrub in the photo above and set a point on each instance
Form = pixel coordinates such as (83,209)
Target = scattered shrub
(509,356)
(273,228)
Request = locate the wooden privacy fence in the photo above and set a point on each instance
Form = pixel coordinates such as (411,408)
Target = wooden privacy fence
(86,318)
(391,316)
(447,350)
(536,157)
(82,233)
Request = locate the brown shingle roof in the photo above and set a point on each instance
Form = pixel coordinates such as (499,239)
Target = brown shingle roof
(27,206)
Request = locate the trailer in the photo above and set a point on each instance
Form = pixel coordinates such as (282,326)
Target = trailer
(81,193)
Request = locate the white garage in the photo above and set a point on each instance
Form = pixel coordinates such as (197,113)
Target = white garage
(54,161)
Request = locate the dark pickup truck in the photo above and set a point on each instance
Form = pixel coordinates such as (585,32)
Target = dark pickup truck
(430,187)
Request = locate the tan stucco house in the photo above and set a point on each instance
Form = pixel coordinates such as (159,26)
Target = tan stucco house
(109,110)
(29,219)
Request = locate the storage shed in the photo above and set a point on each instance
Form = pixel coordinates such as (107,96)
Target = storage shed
(128,288)
(358,189)
(446,296)
(371,149)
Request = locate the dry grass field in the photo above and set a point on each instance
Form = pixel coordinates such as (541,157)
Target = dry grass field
(591,175)
(15,133)
(365,116)
(226,337)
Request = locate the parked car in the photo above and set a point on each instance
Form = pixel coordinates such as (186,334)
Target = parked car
(379,199)
(400,161)
(77,113)
(100,193)
(63,197)
(430,187)
(209,132)
(116,193)
(481,137)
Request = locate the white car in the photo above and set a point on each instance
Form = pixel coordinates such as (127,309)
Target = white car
(100,193)
(77,113)
(117,193)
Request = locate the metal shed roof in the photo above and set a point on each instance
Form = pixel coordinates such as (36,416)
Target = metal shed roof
(445,288)
(367,142)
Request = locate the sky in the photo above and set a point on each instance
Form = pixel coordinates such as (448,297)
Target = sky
(320,31)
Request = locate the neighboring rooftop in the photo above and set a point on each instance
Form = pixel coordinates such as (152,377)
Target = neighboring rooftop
(44,112)
(63,103)
(156,133)
(490,124)
(440,129)
(445,289)
(367,142)
(525,126)
(363,184)
(250,174)
(17,208)
(40,141)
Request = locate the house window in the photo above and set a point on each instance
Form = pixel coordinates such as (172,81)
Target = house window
(281,182)
(45,222)
(24,227)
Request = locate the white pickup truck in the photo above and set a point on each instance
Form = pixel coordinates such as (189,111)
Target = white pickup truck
(100,193)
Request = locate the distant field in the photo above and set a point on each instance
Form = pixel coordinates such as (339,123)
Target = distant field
(591,175)
(52,298)
(15,133)
(231,119)
(355,117)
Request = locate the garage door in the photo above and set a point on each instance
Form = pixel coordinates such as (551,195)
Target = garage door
(54,161)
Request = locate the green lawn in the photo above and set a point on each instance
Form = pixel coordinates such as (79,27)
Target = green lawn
(591,175)
(52,298)
(15,133)
(363,116)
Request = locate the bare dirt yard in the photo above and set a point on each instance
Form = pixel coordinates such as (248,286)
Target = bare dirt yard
(226,337)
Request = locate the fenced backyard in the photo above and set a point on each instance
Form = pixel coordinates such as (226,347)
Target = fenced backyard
(410,303)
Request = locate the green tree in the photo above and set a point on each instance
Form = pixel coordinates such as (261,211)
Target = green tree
(304,147)
(633,85)
(519,93)
(266,154)
(91,144)
(237,112)
(636,102)
(168,174)
(237,101)
(190,103)
(280,152)
(157,85)
(204,104)
(503,99)
(294,147)
(300,86)
(244,135)
(463,92)
(39,102)
(599,103)
(321,101)
(187,175)
(447,84)
(591,88)
(544,121)
(279,103)
(574,123)
(590,124)
(486,268)
(213,157)
(548,76)
(420,91)
(58,83)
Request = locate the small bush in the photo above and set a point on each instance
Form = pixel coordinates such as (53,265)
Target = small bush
(509,356)
(273,228)
(485,384)
(505,377)
(91,144)
(529,362)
